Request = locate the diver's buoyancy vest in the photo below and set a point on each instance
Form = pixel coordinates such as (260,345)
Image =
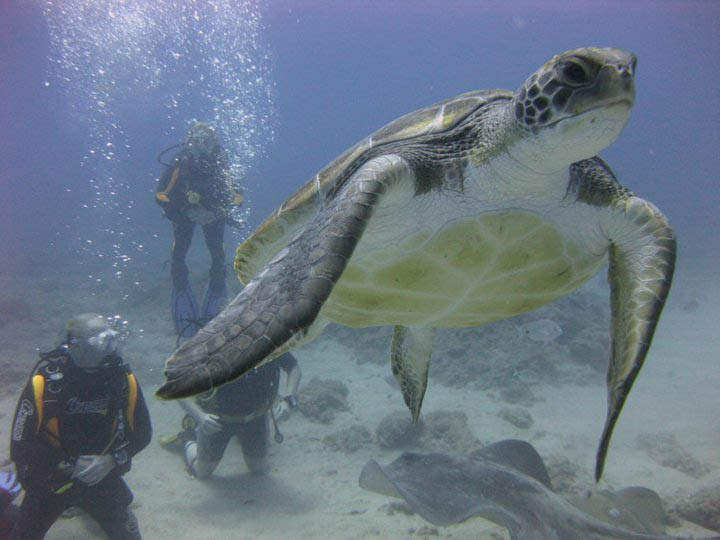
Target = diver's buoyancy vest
(47,383)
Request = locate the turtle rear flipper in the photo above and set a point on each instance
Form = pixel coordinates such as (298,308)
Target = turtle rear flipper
(278,307)
(411,351)
(642,261)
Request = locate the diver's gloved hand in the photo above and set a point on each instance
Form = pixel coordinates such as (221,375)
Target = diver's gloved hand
(283,407)
(209,424)
(281,411)
(91,470)
(9,483)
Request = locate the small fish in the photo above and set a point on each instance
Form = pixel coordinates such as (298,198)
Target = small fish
(541,331)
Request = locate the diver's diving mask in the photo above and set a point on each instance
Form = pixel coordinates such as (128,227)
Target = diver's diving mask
(104,342)
(201,139)
(90,352)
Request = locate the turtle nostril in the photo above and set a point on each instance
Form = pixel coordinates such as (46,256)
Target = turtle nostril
(626,70)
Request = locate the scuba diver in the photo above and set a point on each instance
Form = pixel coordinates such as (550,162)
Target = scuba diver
(195,189)
(244,408)
(78,423)
(9,490)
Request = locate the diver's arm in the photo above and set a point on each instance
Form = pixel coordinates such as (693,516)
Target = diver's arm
(293,381)
(35,460)
(209,423)
(162,196)
(142,432)
(292,369)
(192,408)
(173,199)
(288,402)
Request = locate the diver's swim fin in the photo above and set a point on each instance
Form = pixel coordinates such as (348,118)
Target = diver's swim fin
(214,302)
(184,312)
(176,443)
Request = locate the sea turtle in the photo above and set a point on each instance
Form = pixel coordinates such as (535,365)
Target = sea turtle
(475,209)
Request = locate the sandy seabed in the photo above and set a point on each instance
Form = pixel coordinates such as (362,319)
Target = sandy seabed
(312,490)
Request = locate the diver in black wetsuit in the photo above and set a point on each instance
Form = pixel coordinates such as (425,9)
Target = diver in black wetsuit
(79,421)
(195,190)
(243,408)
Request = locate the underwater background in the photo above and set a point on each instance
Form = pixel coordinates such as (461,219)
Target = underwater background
(92,91)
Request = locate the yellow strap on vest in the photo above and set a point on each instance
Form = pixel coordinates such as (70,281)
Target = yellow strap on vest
(132,401)
(53,429)
(38,382)
(53,432)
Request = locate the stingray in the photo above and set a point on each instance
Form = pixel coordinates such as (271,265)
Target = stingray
(508,484)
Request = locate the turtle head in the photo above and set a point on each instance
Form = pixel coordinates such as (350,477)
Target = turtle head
(573,106)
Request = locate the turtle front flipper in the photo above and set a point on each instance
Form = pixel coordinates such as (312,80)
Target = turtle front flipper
(410,359)
(279,305)
(642,260)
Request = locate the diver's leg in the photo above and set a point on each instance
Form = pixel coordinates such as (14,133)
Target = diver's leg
(203,456)
(254,439)
(182,237)
(214,233)
(184,309)
(216,293)
(37,514)
(109,504)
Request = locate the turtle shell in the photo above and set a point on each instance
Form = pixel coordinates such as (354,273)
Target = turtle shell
(289,219)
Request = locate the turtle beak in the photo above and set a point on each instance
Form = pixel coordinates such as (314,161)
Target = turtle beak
(633,64)
(627,73)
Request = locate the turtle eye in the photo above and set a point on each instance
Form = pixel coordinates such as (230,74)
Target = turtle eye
(574,73)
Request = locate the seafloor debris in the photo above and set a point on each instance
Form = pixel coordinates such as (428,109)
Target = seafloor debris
(320,399)
(425,531)
(519,393)
(394,507)
(553,345)
(541,330)
(517,416)
(564,474)
(447,431)
(372,345)
(349,440)
(591,347)
(397,430)
(664,448)
(439,431)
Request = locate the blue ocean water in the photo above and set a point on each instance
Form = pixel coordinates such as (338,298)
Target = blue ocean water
(92,91)
(90,99)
